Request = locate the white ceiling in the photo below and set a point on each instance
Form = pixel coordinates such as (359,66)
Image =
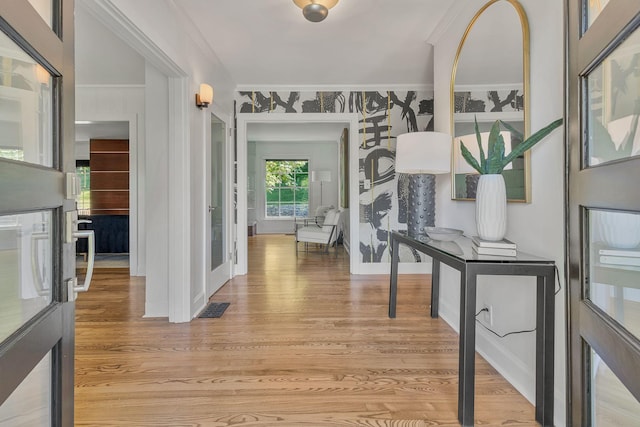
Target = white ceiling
(362,42)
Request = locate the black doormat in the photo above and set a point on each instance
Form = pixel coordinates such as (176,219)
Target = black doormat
(214,309)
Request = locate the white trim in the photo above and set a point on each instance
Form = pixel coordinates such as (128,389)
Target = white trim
(179,230)
(116,21)
(488,87)
(507,364)
(403,267)
(451,16)
(356,87)
(243,119)
(109,85)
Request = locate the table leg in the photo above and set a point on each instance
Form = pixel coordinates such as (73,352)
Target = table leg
(467,351)
(545,318)
(435,287)
(393,281)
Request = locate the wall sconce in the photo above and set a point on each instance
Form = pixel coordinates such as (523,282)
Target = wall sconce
(204,97)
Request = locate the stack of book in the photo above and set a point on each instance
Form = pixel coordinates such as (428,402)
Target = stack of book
(620,256)
(502,247)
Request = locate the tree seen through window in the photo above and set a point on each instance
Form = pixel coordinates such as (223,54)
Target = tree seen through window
(287,188)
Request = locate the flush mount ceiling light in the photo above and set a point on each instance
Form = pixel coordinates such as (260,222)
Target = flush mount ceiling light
(315,10)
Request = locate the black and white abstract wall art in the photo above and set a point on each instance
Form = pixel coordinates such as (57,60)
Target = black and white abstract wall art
(382,116)
(489,101)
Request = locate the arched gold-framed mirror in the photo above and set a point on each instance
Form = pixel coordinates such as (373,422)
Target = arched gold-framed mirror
(489,82)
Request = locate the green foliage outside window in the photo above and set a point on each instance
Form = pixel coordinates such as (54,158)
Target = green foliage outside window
(287,188)
(84,200)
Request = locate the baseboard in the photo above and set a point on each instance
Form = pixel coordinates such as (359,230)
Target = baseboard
(156,310)
(199,302)
(511,368)
(403,268)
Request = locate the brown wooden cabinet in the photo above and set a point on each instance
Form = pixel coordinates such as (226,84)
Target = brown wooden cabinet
(109,165)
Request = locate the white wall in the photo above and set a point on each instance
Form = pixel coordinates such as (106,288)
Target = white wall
(165,37)
(177,61)
(537,227)
(102,57)
(322,155)
(157,190)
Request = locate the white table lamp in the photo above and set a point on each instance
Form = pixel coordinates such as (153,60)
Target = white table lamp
(422,155)
(321,176)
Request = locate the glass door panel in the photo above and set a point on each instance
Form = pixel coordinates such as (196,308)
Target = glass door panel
(217,206)
(612,404)
(614,267)
(30,404)
(613,106)
(26,98)
(593,9)
(26,267)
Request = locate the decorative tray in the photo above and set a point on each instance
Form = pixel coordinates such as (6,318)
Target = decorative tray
(443,234)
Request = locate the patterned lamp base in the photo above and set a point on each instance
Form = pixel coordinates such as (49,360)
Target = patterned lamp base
(421,209)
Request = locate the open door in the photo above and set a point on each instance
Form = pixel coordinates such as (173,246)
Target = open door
(37,260)
(218,258)
(604,212)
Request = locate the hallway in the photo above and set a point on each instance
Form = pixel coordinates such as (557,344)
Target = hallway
(302,343)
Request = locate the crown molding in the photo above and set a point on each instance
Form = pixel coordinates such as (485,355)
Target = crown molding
(334,88)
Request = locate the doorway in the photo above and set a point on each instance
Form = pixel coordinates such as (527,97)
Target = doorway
(244,121)
(106,194)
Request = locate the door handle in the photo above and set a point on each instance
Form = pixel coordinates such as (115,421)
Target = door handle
(212,208)
(72,284)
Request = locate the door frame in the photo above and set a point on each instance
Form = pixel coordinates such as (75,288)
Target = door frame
(136,193)
(243,120)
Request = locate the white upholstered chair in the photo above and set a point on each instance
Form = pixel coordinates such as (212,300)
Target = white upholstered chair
(324,234)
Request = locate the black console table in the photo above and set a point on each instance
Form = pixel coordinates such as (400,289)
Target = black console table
(459,255)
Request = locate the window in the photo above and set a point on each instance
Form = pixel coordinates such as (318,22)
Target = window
(287,188)
(84,200)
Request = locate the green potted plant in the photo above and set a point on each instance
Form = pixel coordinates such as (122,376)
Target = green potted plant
(491,199)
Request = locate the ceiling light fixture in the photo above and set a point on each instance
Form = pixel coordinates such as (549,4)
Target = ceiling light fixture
(315,10)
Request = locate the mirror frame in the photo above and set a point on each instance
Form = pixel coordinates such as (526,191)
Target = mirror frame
(524,25)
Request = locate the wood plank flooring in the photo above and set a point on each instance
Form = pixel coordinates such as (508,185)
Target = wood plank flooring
(303,343)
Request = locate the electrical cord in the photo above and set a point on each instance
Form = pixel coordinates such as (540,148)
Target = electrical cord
(516,332)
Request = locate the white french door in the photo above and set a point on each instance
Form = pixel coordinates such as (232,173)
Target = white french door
(36,259)
(218,258)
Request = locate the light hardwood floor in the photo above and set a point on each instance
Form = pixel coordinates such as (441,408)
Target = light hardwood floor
(303,343)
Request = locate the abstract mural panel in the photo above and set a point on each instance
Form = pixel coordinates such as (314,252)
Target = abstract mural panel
(382,116)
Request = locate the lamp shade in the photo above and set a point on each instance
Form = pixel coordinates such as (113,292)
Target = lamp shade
(326,3)
(471,143)
(206,93)
(423,152)
(321,176)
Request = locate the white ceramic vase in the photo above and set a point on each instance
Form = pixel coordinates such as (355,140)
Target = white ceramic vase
(491,207)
